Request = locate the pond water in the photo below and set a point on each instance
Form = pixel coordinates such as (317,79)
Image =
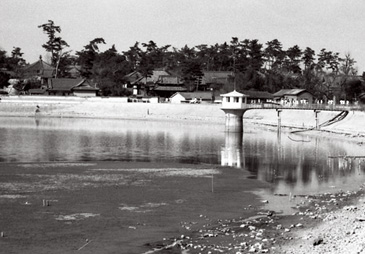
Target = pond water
(260,160)
(290,163)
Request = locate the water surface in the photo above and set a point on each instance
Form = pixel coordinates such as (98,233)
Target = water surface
(298,164)
(149,180)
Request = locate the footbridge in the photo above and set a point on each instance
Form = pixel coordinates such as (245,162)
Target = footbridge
(235,104)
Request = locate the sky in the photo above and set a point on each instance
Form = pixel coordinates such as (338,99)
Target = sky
(337,25)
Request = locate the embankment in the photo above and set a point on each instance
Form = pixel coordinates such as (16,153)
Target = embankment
(118,108)
(352,124)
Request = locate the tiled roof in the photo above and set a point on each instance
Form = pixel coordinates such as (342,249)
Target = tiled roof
(39,68)
(170,88)
(64,83)
(133,77)
(258,94)
(154,77)
(283,92)
(68,84)
(171,80)
(216,76)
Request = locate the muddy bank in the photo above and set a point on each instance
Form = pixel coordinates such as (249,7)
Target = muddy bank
(114,207)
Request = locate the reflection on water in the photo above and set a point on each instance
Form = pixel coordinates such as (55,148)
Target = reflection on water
(298,164)
(231,154)
(58,139)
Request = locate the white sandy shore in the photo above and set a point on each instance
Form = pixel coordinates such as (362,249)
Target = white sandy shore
(118,109)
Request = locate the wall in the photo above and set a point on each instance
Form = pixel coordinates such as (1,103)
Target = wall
(177,98)
(84,93)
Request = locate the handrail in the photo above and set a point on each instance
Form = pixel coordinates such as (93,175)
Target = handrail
(331,107)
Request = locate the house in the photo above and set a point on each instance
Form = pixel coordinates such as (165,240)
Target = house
(154,77)
(141,85)
(160,83)
(68,86)
(133,83)
(196,97)
(293,96)
(167,85)
(233,100)
(258,96)
(40,69)
(215,78)
(132,79)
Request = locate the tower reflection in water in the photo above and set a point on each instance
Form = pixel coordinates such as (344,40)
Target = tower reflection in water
(231,153)
(295,164)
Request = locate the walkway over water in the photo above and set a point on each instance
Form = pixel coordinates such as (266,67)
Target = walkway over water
(234,105)
(324,107)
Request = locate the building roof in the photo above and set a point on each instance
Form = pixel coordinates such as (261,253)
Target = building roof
(154,77)
(64,84)
(170,80)
(39,68)
(170,88)
(234,94)
(216,77)
(258,94)
(68,84)
(293,92)
(133,77)
(189,96)
(85,86)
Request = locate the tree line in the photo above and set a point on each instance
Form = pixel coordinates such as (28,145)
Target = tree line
(254,66)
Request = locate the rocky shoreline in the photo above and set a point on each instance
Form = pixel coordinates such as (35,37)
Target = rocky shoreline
(323,223)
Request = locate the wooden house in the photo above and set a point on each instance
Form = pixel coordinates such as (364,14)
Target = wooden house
(41,70)
(68,86)
(254,97)
(167,85)
(154,77)
(293,96)
(215,78)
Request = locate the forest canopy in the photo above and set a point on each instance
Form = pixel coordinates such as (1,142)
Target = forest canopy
(262,66)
